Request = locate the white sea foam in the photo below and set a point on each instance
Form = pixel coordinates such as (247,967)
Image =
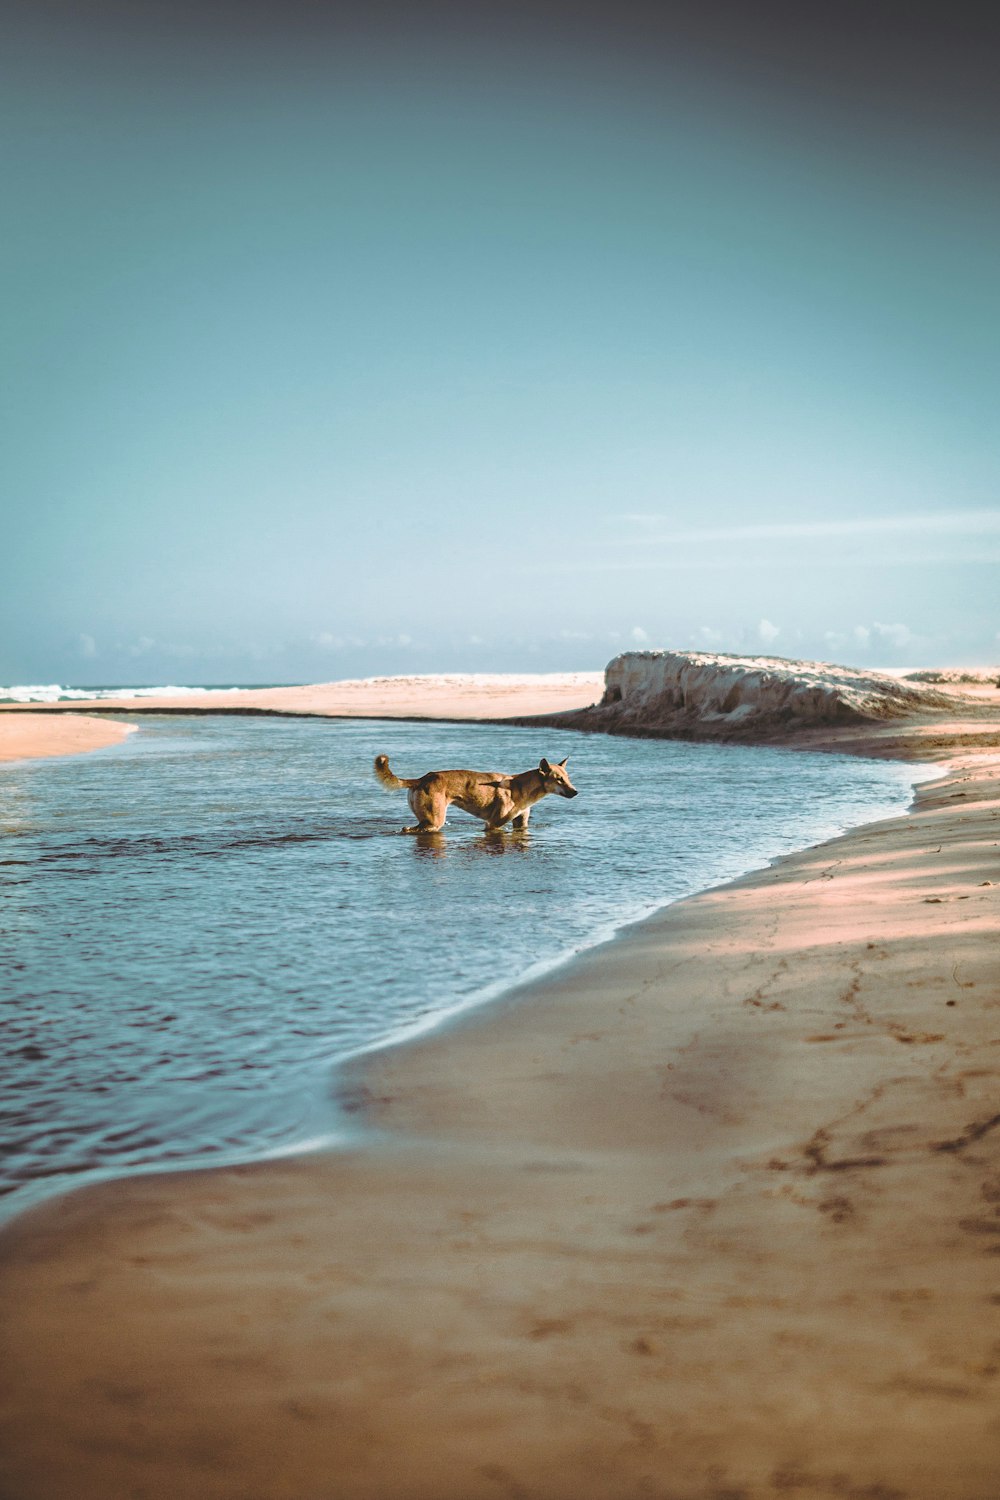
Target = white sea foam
(54,692)
(36,692)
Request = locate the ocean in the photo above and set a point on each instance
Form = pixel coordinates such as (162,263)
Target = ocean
(57,692)
(198,922)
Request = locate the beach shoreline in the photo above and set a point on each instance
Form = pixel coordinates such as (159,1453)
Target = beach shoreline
(39,730)
(36,736)
(455,697)
(708,1211)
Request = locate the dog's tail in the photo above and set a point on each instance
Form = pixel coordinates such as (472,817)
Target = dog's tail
(387,777)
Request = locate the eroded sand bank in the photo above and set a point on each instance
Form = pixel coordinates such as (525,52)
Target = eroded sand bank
(31,736)
(711,1213)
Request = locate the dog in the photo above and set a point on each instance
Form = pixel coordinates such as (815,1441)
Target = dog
(489,795)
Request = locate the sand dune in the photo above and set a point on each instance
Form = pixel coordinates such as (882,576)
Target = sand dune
(704,695)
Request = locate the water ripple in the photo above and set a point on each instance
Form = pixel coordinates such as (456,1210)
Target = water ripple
(194,924)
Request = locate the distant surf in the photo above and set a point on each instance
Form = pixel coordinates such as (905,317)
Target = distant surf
(56,692)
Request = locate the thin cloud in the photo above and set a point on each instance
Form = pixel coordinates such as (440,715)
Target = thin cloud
(327,641)
(709,561)
(937,523)
(879,634)
(895,635)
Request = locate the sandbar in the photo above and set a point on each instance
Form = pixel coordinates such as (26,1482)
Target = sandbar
(33,736)
(456,696)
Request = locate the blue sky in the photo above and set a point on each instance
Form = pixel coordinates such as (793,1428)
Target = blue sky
(357,352)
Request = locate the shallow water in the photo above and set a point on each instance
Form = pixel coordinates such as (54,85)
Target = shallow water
(196,922)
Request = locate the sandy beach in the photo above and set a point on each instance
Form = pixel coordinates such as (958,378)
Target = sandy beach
(711,1214)
(34,736)
(458,696)
(430,1081)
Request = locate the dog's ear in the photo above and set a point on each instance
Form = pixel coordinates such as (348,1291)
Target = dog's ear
(544,767)
(564,760)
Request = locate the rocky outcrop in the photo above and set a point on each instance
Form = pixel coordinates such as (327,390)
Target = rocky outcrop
(701,695)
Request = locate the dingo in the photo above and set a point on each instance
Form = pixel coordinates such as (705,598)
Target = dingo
(495,798)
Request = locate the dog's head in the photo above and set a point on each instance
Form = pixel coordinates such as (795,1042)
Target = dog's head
(555,778)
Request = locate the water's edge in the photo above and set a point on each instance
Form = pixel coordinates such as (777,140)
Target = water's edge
(337,1130)
(534,980)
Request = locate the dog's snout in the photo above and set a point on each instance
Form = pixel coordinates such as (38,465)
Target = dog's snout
(570,791)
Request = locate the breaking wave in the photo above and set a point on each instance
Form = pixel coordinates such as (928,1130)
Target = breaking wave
(55,692)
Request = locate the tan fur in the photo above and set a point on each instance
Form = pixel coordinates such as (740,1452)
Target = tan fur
(490,795)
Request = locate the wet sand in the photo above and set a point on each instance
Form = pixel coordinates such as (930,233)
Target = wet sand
(711,1214)
(31,736)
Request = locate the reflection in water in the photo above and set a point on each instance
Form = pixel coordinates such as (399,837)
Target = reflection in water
(433,845)
(504,841)
(194,923)
(495,841)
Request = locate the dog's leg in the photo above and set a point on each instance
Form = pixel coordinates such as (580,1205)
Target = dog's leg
(429,810)
(520,823)
(499,812)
